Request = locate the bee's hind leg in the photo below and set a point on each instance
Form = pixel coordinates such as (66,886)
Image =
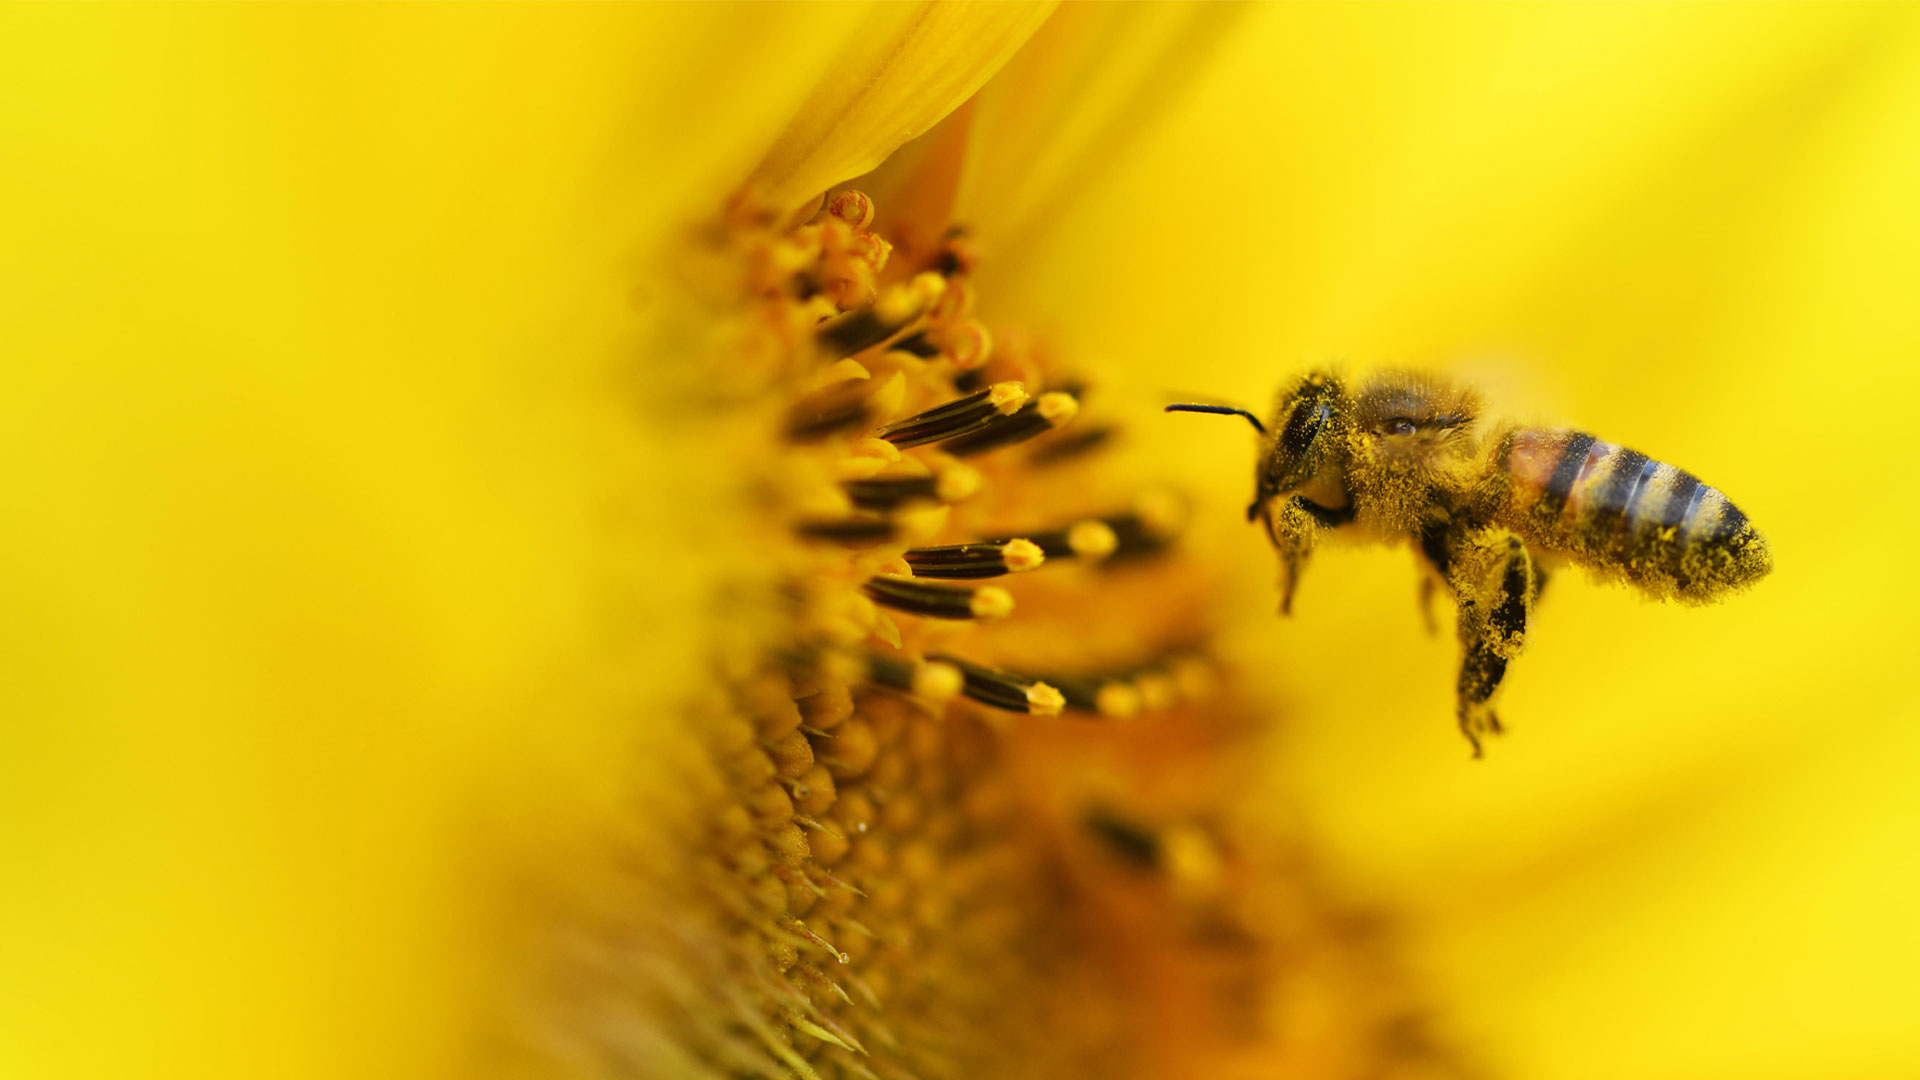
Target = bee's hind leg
(1493,577)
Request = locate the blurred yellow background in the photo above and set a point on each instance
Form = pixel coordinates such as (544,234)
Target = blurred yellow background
(307,444)
(1693,230)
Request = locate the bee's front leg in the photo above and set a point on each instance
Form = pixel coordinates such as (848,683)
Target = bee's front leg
(1293,532)
(1294,529)
(1493,578)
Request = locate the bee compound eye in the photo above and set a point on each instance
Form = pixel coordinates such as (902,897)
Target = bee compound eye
(1400,425)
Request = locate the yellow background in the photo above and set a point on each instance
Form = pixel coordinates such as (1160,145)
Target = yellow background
(1692,230)
(306,450)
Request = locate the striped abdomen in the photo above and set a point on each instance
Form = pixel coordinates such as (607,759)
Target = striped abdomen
(1621,513)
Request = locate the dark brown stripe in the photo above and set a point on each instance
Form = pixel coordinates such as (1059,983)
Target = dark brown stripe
(913,597)
(1001,431)
(885,494)
(956,417)
(1058,450)
(1135,537)
(1611,495)
(891,671)
(1631,509)
(1688,524)
(856,331)
(849,530)
(983,560)
(817,417)
(1679,500)
(1080,693)
(918,345)
(1135,843)
(1000,689)
(1572,459)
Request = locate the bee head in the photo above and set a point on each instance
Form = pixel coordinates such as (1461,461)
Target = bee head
(1308,429)
(1308,426)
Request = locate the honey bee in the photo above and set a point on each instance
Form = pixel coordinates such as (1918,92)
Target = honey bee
(1489,509)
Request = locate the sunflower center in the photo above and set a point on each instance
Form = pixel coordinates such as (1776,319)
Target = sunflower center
(942,841)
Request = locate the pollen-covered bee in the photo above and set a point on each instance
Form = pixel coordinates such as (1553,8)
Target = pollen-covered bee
(1488,508)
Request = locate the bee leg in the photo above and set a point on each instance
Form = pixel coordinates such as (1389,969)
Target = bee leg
(1432,558)
(1293,531)
(1429,586)
(1540,576)
(1495,583)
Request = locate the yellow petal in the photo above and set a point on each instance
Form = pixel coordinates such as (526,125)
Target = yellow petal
(1091,83)
(911,65)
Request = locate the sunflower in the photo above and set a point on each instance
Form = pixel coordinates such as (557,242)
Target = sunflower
(441,633)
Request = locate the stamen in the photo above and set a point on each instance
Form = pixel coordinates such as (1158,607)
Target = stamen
(1047,412)
(1131,840)
(832,410)
(1092,540)
(1007,691)
(1155,520)
(841,371)
(887,493)
(858,530)
(932,680)
(982,560)
(940,601)
(1114,698)
(1157,690)
(855,331)
(845,405)
(1133,537)
(1080,442)
(853,207)
(958,255)
(919,345)
(865,327)
(937,681)
(958,417)
(950,484)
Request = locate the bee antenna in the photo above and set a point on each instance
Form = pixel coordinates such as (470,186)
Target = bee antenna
(1222,410)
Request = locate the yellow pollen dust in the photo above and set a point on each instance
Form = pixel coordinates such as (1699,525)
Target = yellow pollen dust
(1058,408)
(1022,556)
(1007,397)
(1092,540)
(992,602)
(1044,700)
